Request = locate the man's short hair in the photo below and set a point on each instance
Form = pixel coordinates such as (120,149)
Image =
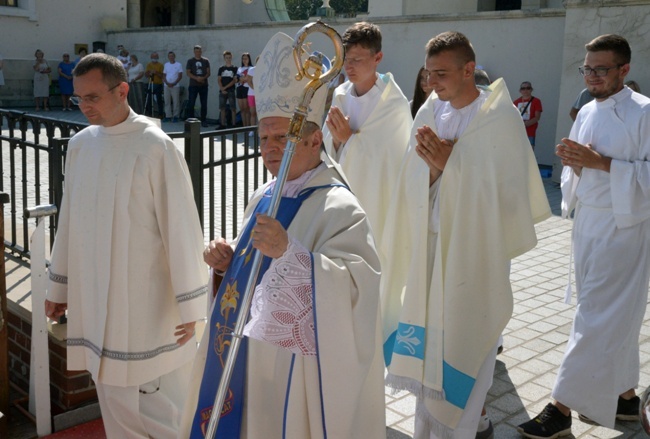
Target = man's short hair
(452,42)
(198,47)
(611,43)
(171,52)
(113,71)
(227,52)
(364,34)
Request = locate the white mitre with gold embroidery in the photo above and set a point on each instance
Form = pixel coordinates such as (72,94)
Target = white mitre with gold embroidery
(277,92)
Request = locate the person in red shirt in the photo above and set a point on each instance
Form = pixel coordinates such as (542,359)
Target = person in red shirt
(530,109)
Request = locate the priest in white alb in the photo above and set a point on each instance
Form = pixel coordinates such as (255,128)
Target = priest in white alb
(606,179)
(126,261)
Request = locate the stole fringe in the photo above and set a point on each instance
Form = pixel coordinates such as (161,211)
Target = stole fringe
(398,383)
(433,425)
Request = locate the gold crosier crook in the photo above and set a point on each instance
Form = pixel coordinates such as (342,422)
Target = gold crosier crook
(312,70)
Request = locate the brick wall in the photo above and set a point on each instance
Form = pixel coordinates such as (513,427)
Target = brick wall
(68,389)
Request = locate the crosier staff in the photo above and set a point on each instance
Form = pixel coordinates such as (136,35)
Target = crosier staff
(312,69)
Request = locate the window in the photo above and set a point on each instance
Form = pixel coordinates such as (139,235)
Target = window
(507,5)
(19,8)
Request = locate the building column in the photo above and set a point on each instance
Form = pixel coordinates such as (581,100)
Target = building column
(133,14)
(202,13)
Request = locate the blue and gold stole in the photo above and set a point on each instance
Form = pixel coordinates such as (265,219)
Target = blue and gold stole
(222,323)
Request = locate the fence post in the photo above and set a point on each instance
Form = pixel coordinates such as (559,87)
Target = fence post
(55,158)
(4,343)
(39,370)
(194,159)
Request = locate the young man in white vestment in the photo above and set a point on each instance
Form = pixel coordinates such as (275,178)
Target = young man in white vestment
(310,366)
(468,198)
(368,125)
(606,178)
(126,262)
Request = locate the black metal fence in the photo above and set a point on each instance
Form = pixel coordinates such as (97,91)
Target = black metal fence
(225,167)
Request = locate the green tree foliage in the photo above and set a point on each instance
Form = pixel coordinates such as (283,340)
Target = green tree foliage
(349,7)
(303,9)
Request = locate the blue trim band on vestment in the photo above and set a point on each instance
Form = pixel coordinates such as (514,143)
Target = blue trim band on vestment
(456,385)
(286,398)
(409,340)
(320,376)
(388,348)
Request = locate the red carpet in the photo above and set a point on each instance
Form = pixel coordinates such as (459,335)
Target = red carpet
(90,430)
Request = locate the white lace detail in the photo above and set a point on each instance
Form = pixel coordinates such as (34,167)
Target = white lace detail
(282,310)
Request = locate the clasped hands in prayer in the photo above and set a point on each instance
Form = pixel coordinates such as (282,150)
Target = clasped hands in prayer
(339,126)
(433,150)
(579,156)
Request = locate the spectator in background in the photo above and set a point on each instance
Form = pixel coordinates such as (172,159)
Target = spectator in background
(82,52)
(530,109)
(136,85)
(65,81)
(227,79)
(422,91)
(242,88)
(172,75)
(583,98)
(198,70)
(154,75)
(634,86)
(251,95)
(123,56)
(41,81)
(481,77)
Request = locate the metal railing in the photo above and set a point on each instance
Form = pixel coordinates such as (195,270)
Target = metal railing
(31,168)
(225,167)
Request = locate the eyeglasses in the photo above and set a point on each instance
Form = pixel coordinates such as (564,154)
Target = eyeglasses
(525,88)
(598,71)
(78,100)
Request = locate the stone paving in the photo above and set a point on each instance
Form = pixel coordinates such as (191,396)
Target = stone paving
(534,339)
